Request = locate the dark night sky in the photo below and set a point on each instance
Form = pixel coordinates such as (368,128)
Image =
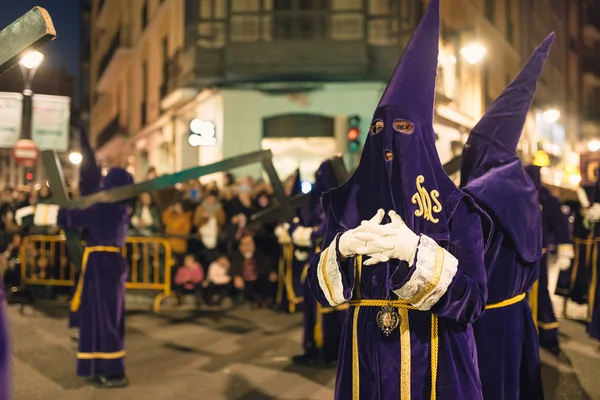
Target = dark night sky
(62,51)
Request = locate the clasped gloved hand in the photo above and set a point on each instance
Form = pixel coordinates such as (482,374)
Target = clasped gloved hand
(282,233)
(349,242)
(393,240)
(563,263)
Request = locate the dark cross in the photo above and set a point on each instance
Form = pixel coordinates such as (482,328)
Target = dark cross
(29,32)
(452,166)
(275,211)
(60,194)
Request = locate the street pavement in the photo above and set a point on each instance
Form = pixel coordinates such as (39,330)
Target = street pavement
(240,354)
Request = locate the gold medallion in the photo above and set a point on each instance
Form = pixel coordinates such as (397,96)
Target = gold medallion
(388,319)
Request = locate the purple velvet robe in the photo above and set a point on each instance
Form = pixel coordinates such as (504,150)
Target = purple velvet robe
(321,324)
(290,294)
(555,226)
(431,353)
(5,377)
(90,177)
(102,301)
(491,172)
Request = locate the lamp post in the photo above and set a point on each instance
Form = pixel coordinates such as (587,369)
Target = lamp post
(473,53)
(29,65)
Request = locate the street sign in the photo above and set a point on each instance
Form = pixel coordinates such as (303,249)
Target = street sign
(25,153)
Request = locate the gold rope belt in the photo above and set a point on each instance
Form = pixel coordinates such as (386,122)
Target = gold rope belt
(76,302)
(506,303)
(405,351)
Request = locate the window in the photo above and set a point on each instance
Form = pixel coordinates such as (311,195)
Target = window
(299,19)
(144,93)
(298,125)
(144,15)
(165,67)
(509,24)
(490,10)
(211,27)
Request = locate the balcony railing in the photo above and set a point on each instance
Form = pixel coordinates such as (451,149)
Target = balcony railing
(111,130)
(118,40)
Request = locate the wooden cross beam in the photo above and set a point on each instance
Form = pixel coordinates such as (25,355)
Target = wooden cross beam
(274,212)
(29,32)
(59,192)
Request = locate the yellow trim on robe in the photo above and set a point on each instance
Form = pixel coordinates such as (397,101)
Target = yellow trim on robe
(76,302)
(533,302)
(435,278)
(102,356)
(506,303)
(405,354)
(547,326)
(592,292)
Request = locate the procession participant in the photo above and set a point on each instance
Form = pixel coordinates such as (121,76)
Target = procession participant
(491,172)
(292,261)
(556,225)
(587,249)
(100,293)
(322,325)
(5,378)
(90,177)
(574,284)
(407,334)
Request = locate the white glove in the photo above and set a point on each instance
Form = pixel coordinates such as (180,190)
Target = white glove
(301,255)
(22,213)
(563,263)
(302,235)
(348,243)
(591,216)
(282,233)
(396,241)
(46,215)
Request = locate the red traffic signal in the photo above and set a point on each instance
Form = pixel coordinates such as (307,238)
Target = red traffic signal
(29,176)
(353,134)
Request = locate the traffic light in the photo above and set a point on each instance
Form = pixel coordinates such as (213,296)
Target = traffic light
(29,177)
(353,132)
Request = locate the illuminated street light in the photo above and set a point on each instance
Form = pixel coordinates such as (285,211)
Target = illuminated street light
(473,53)
(32,59)
(75,158)
(551,116)
(594,145)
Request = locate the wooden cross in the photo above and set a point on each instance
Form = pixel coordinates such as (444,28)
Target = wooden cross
(275,211)
(29,32)
(60,194)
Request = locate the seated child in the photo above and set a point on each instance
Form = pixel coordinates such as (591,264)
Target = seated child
(218,282)
(188,278)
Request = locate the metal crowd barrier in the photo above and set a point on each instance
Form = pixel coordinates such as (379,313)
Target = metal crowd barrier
(150,262)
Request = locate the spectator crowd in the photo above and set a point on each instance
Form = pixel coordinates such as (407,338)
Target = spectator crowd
(218,252)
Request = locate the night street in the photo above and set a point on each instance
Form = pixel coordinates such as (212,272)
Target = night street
(241,354)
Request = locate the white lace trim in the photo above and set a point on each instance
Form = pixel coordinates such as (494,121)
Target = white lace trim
(435,269)
(330,276)
(46,215)
(301,255)
(301,236)
(22,213)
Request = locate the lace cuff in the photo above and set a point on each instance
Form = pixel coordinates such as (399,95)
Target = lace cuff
(434,270)
(330,276)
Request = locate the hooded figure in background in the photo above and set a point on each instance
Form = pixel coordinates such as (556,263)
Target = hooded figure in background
(555,227)
(292,259)
(581,282)
(100,291)
(5,358)
(407,333)
(491,172)
(322,325)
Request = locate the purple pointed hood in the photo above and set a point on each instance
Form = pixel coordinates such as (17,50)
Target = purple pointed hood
(490,168)
(324,181)
(400,168)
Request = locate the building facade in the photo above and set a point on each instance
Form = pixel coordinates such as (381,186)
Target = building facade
(284,75)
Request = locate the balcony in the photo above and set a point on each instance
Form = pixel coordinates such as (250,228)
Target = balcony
(114,61)
(110,131)
(289,46)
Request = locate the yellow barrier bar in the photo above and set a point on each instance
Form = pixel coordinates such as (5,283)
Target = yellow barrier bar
(60,272)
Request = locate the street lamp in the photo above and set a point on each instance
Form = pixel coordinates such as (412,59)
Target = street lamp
(551,115)
(473,53)
(594,145)
(29,64)
(75,158)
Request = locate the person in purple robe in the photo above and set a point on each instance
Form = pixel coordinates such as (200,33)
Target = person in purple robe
(5,377)
(554,225)
(100,294)
(575,283)
(290,294)
(407,333)
(587,243)
(321,324)
(90,178)
(491,172)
